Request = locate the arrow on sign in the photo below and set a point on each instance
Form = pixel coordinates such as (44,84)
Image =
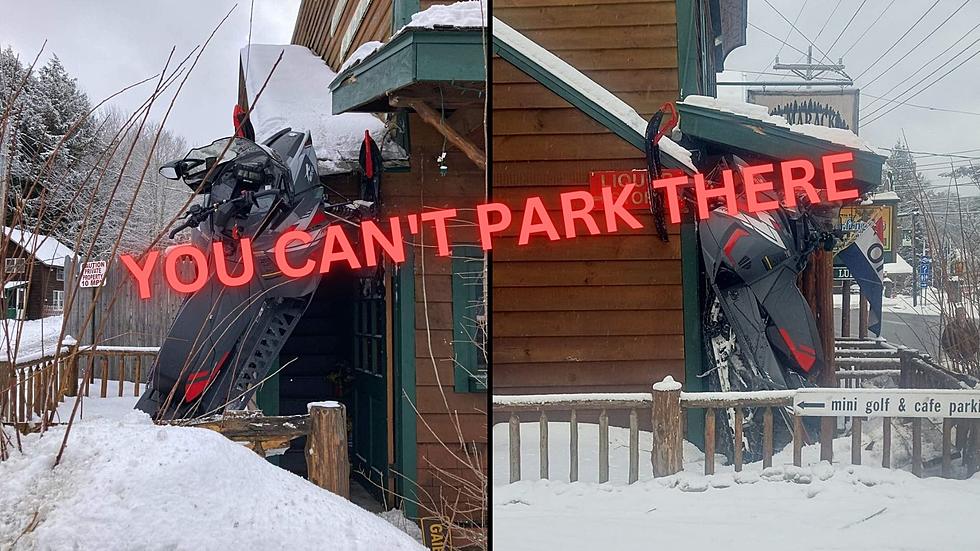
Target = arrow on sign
(812,404)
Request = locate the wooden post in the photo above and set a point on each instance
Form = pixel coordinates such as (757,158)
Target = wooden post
(326,449)
(105,376)
(917,446)
(863,317)
(72,386)
(603,447)
(947,444)
(845,307)
(823,267)
(572,449)
(886,442)
(906,378)
(138,376)
(709,441)
(543,445)
(738,439)
(666,454)
(634,447)
(797,441)
(856,441)
(767,437)
(6,376)
(121,372)
(515,447)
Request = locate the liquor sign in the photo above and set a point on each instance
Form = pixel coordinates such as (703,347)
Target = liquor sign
(831,108)
(93,274)
(618,179)
(854,219)
(886,402)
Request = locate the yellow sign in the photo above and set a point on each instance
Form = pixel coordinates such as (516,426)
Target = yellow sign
(854,219)
(435,535)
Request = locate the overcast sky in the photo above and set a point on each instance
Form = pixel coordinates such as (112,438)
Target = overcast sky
(109,44)
(926,130)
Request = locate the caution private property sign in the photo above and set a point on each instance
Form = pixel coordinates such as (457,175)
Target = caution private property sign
(824,402)
(93,274)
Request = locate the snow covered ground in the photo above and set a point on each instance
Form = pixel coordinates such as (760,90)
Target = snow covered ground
(38,338)
(125,483)
(819,506)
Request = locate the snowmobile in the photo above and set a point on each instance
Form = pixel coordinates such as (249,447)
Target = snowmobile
(224,340)
(758,330)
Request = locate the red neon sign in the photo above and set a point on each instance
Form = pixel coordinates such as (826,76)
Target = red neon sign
(602,209)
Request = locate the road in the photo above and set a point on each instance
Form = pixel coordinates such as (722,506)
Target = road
(913,330)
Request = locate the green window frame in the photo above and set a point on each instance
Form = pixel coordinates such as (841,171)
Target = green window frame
(469,318)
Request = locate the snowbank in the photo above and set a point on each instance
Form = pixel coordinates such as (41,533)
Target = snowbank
(45,248)
(817,506)
(575,79)
(761,113)
(38,338)
(298,96)
(899,267)
(125,483)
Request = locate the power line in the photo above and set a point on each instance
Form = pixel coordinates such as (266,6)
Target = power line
(943,109)
(913,48)
(849,21)
(926,64)
(789,32)
(829,17)
(873,23)
(892,47)
(931,84)
(793,26)
(774,37)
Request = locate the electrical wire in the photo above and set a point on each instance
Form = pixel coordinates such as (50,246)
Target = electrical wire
(906,33)
(849,21)
(873,23)
(774,37)
(943,109)
(798,31)
(789,32)
(919,43)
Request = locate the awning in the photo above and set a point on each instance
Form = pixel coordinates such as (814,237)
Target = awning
(14,284)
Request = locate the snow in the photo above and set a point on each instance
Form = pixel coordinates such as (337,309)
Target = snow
(574,78)
(816,506)
(14,284)
(38,338)
(46,249)
(899,267)
(360,53)
(125,483)
(471,14)
(298,96)
(541,399)
(761,114)
(326,404)
(104,348)
(667,384)
(884,196)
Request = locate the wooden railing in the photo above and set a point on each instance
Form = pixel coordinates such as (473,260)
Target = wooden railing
(30,388)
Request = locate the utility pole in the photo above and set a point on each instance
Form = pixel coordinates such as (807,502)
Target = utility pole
(810,73)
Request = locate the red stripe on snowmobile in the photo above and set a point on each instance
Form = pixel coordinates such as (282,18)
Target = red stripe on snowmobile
(732,239)
(196,388)
(368,158)
(804,358)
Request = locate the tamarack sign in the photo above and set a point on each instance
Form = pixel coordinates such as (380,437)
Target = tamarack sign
(581,212)
(831,108)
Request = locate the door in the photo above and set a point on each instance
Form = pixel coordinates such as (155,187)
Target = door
(369,442)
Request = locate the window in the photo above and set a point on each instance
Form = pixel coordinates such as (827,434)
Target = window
(59,274)
(469,319)
(14,265)
(58,300)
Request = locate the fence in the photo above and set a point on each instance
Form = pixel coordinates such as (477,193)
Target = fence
(119,311)
(665,404)
(30,388)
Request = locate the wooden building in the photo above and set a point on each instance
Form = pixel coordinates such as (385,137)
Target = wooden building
(33,274)
(574,82)
(402,346)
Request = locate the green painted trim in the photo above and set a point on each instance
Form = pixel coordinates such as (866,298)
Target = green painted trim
(687,49)
(406,437)
(401,13)
(691,284)
(742,133)
(418,55)
(575,97)
(267,399)
(465,293)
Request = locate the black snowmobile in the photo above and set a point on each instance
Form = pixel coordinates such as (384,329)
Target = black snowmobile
(758,330)
(224,339)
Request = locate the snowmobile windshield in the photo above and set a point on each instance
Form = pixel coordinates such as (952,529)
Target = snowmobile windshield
(198,162)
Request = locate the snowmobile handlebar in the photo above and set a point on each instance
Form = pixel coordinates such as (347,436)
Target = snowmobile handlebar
(197,213)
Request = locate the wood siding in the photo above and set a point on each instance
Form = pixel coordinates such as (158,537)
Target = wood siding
(42,282)
(438,404)
(313,25)
(599,313)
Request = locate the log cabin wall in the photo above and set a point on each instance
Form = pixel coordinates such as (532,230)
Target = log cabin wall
(321,26)
(599,313)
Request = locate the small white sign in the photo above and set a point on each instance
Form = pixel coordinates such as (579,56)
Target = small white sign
(823,402)
(93,274)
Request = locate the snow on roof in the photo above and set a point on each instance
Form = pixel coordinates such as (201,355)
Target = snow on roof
(761,113)
(885,196)
(899,267)
(13,284)
(574,78)
(46,249)
(360,53)
(471,14)
(298,96)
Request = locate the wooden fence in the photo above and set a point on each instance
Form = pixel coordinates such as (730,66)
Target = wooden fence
(119,311)
(665,404)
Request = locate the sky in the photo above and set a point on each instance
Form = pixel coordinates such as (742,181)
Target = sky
(109,44)
(926,130)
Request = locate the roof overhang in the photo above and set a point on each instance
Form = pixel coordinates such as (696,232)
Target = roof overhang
(742,134)
(415,58)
